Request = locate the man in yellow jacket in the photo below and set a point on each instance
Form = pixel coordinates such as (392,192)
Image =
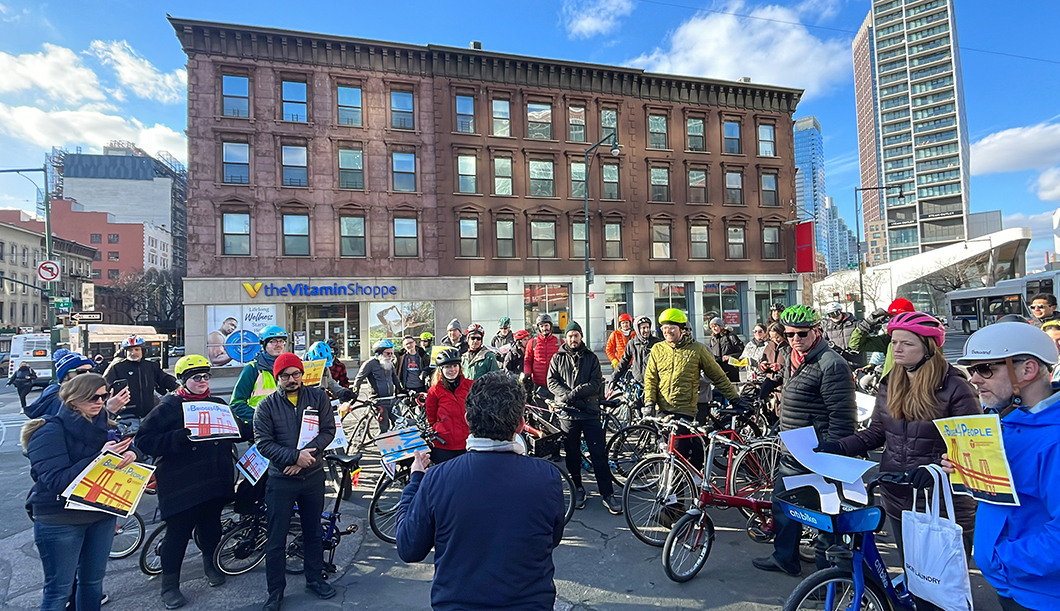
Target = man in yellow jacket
(671,379)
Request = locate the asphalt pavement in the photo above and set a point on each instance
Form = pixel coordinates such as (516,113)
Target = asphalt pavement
(600,565)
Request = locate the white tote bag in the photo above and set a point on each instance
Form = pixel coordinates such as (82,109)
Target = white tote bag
(936,568)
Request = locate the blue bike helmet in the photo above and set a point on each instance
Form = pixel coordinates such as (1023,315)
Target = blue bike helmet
(381,345)
(319,351)
(271,332)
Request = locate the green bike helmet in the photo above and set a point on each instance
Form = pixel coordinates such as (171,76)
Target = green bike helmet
(801,316)
(673,316)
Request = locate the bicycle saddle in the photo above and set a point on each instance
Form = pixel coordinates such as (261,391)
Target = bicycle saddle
(351,462)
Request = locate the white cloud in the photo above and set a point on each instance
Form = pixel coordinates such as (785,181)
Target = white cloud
(588,18)
(1036,147)
(88,127)
(140,75)
(1048,185)
(1041,226)
(57,71)
(725,46)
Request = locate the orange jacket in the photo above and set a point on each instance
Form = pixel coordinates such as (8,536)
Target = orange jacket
(616,345)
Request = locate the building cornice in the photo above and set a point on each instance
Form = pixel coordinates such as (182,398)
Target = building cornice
(242,42)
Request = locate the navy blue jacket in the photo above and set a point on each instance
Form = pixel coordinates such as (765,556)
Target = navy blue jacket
(47,404)
(277,425)
(58,451)
(493,519)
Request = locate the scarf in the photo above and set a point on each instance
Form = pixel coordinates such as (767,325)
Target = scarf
(264,361)
(798,358)
(185,394)
(481,444)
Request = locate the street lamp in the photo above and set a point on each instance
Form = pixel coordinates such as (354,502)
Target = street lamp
(47,241)
(613,137)
(857,229)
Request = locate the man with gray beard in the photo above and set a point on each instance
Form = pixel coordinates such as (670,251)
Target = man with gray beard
(381,375)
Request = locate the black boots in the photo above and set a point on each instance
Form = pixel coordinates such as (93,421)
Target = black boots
(213,574)
(171,595)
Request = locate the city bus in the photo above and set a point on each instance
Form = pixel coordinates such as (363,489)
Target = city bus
(971,309)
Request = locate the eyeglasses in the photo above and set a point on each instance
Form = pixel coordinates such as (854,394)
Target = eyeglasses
(986,370)
(291,376)
(388,353)
(201,377)
(757,331)
(102,397)
(1038,306)
(790,334)
(78,372)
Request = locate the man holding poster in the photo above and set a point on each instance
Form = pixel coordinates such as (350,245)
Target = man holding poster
(296,474)
(1015,546)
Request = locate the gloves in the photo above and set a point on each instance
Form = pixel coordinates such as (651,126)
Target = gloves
(829,447)
(742,404)
(879,316)
(561,397)
(921,478)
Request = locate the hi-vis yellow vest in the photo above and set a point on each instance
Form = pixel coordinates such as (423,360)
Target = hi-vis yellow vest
(263,387)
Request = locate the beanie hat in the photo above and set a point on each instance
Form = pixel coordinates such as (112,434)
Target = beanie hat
(716,321)
(65,361)
(454,324)
(284,361)
(573,326)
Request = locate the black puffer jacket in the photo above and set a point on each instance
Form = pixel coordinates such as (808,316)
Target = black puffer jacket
(912,444)
(726,344)
(145,379)
(820,393)
(277,425)
(837,334)
(188,472)
(635,358)
(574,378)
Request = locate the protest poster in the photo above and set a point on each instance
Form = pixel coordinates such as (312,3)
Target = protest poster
(977,450)
(399,444)
(209,420)
(314,371)
(310,427)
(101,486)
(340,442)
(252,465)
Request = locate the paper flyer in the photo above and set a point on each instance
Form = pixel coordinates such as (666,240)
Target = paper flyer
(801,443)
(310,428)
(209,420)
(340,442)
(739,362)
(977,450)
(314,372)
(102,487)
(399,444)
(252,465)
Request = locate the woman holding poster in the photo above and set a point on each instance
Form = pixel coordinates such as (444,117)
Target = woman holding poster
(194,470)
(71,542)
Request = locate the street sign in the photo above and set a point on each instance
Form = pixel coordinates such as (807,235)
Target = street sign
(62,305)
(48,271)
(88,295)
(83,317)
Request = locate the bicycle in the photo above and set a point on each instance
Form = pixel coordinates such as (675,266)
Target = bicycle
(858,577)
(661,487)
(382,511)
(128,535)
(151,554)
(330,533)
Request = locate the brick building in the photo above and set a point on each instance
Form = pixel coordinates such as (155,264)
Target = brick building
(358,189)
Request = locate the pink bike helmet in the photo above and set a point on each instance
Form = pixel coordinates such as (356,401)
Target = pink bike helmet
(924,325)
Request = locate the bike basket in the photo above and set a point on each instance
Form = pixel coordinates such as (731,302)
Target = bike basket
(804,506)
(545,446)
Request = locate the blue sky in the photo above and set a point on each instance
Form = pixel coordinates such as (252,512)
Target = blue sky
(82,73)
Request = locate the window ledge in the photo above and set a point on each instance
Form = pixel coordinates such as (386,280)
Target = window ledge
(767,156)
(528,139)
(542,197)
(358,257)
(764,259)
(502,137)
(248,185)
(648,148)
(506,258)
(690,151)
(459,194)
(470,258)
(455,133)
(582,142)
(666,203)
(398,130)
(222,117)
(728,259)
(392,192)
(655,259)
(736,205)
(615,259)
(608,200)
(733,155)
(700,203)
(282,122)
(349,190)
(703,260)
(502,195)
(544,259)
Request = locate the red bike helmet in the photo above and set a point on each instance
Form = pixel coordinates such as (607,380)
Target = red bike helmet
(924,325)
(522,334)
(475,329)
(625,318)
(900,305)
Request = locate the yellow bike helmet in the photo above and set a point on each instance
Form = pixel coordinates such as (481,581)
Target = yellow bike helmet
(673,316)
(190,365)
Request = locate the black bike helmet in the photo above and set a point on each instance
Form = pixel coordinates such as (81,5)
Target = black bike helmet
(542,319)
(448,356)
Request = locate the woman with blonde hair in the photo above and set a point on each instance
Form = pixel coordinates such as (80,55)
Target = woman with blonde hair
(921,388)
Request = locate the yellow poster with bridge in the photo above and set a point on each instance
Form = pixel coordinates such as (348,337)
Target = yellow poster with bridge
(314,372)
(101,486)
(977,450)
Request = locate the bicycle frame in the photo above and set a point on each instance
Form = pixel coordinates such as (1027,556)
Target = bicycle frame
(710,496)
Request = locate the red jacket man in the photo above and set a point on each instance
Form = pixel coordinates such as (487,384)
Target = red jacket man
(539,352)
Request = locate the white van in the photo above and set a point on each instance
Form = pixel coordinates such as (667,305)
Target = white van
(35,349)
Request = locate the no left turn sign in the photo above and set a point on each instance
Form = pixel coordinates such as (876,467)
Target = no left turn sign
(48,271)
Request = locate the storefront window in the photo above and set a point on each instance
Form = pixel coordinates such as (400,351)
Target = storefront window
(672,295)
(725,300)
(319,323)
(551,299)
(768,293)
(618,300)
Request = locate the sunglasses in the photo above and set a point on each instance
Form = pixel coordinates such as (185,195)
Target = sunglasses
(201,377)
(102,397)
(1038,307)
(986,370)
(790,334)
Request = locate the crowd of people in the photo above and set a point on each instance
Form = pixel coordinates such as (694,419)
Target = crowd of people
(475,396)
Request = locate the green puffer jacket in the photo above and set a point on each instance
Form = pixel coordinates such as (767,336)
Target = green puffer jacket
(671,379)
(862,341)
(478,364)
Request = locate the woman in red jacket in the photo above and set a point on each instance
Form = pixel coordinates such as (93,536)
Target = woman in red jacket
(445,407)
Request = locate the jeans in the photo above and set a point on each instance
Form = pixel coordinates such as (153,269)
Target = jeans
(73,550)
(788,532)
(281,493)
(593,431)
(205,518)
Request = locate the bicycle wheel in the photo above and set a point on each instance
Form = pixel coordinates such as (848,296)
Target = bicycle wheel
(242,549)
(151,554)
(657,493)
(754,471)
(628,447)
(687,547)
(365,429)
(382,512)
(295,550)
(568,492)
(128,534)
(612,424)
(832,590)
